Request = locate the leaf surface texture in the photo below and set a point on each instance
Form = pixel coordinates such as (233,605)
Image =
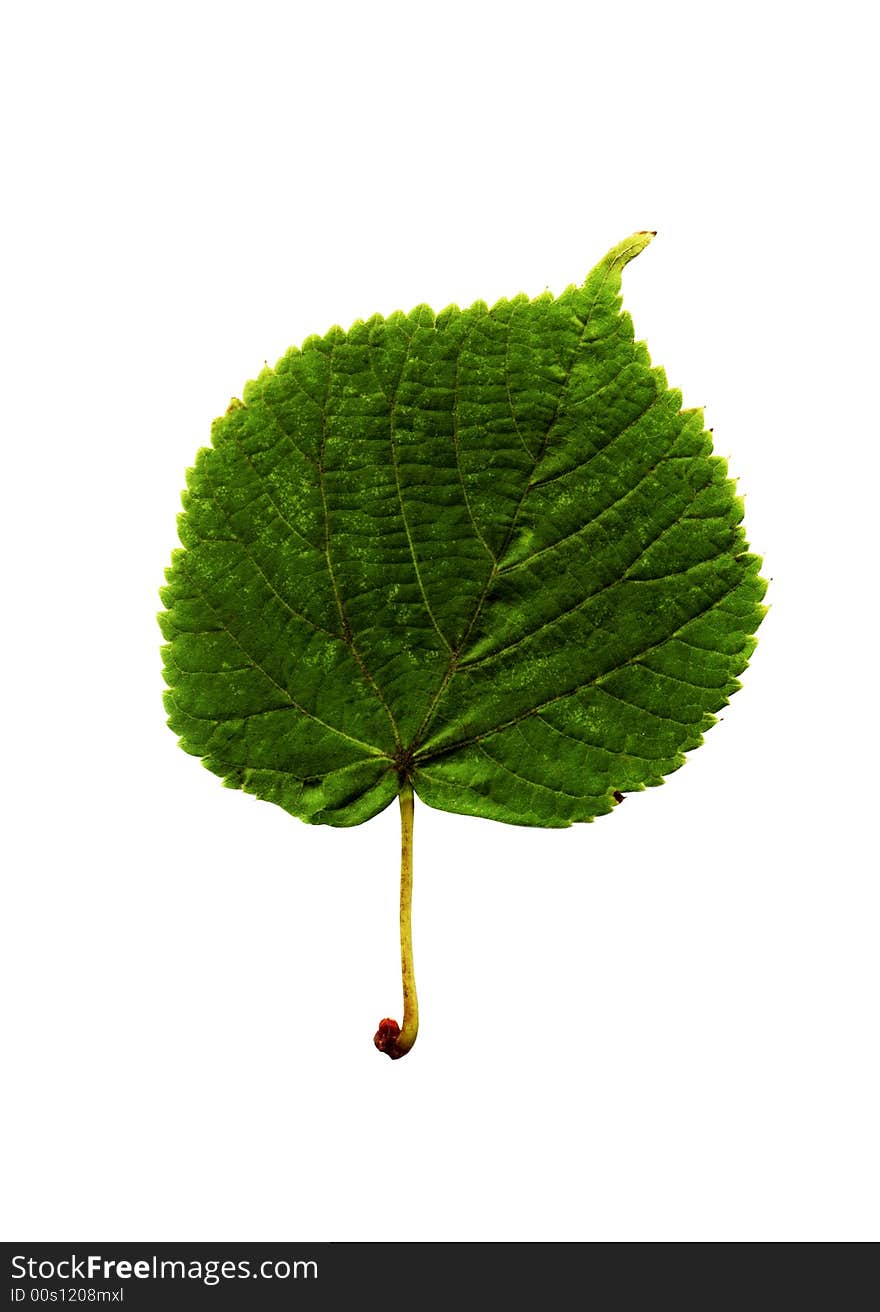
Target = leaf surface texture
(485,549)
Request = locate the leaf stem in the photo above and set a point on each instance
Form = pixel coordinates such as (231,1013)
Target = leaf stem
(390,1038)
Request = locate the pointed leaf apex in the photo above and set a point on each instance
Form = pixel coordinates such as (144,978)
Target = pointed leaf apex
(629,248)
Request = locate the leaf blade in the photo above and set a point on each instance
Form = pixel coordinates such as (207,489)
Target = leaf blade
(485,550)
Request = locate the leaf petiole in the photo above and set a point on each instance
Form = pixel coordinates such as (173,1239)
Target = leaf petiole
(390,1038)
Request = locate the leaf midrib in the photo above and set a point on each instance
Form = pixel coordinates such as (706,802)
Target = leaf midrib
(452,668)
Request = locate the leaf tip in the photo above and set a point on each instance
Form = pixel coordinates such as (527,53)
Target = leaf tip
(621,254)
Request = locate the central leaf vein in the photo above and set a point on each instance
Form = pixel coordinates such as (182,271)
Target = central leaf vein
(449,674)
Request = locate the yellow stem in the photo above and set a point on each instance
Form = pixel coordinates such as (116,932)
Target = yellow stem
(390,1039)
(410,998)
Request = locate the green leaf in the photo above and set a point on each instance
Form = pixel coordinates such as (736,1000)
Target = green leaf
(484,551)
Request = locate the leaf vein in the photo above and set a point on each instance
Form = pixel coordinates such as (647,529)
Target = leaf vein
(533,783)
(454,659)
(585,601)
(516,426)
(582,528)
(239,541)
(455,446)
(264,488)
(347,634)
(594,681)
(596,747)
(370,747)
(395,467)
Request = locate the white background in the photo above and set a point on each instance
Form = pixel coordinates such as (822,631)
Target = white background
(661,1026)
